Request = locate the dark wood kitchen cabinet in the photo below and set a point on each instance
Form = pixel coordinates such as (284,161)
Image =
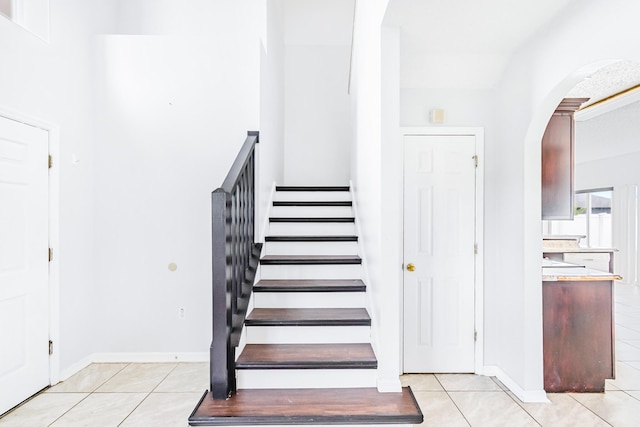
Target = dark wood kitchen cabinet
(557,161)
(578,335)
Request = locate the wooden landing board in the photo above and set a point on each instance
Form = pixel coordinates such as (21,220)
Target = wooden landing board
(308,406)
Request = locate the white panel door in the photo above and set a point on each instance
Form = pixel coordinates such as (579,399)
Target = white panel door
(439,238)
(24,293)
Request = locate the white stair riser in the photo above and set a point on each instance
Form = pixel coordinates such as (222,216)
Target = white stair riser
(311,229)
(306,378)
(311,211)
(307,334)
(296,196)
(311,248)
(344,271)
(309,299)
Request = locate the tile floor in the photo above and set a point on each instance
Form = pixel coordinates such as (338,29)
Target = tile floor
(164,394)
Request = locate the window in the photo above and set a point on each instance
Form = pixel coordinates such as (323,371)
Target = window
(592,219)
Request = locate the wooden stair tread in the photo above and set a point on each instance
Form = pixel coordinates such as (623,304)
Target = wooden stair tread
(344,238)
(308,317)
(308,406)
(310,259)
(311,219)
(312,203)
(317,285)
(311,188)
(307,356)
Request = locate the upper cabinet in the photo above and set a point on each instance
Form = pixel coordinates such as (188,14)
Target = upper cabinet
(557,161)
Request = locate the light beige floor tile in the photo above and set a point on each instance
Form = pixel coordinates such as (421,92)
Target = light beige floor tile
(439,410)
(615,407)
(421,382)
(499,383)
(163,410)
(625,333)
(634,365)
(137,378)
(42,410)
(562,411)
(491,409)
(635,343)
(467,382)
(626,352)
(608,385)
(627,377)
(101,409)
(88,379)
(635,394)
(187,377)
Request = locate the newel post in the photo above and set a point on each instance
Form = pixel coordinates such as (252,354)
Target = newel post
(222,354)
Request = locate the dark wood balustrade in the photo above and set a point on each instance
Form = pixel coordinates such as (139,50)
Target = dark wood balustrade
(235,258)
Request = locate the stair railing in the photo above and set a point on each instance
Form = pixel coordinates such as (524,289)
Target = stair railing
(235,257)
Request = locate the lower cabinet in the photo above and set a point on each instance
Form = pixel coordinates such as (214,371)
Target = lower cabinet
(578,334)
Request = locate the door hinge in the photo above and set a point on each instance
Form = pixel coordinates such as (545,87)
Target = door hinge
(50,161)
(50,254)
(475,249)
(475,160)
(475,335)
(50,347)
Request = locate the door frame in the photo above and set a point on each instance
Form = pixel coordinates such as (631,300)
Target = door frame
(54,231)
(478,133)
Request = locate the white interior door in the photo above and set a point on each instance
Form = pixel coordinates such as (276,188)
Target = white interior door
(439,239)
(24,293)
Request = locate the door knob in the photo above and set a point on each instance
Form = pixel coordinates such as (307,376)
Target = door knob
(411,267)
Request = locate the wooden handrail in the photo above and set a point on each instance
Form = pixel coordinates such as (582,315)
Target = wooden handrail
(235,257)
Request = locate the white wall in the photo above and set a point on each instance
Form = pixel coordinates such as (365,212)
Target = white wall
(177,95)
(317,37)
(53,83)
(463,107)
(317,119)
(373,82)
(537,78)
(271,149)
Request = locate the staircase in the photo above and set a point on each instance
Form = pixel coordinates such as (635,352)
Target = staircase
(307,356)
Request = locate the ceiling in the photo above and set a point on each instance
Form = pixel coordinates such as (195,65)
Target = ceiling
(450,44)
(463,43)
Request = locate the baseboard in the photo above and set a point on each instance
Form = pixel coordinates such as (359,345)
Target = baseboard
(389,385)
(68,372)
(130,358)
(526,396)
(149,357)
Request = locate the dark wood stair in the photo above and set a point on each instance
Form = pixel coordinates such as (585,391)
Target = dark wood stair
(316,285)
(308,406)
(276,362)
(308,317)
(310,259)
(307,356)
(311,188)
(328,203)
(311,219)
(311,238)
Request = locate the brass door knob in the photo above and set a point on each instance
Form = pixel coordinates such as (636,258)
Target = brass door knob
(411,267)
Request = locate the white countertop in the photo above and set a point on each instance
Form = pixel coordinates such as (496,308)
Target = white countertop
(575,273)
(561,250)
